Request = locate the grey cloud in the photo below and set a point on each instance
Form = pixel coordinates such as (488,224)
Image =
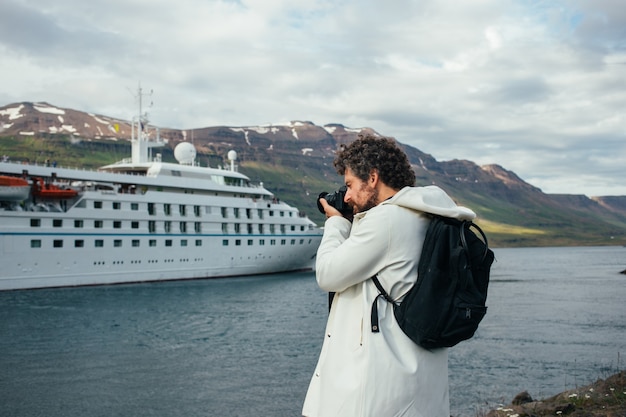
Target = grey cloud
(24,28)
(27,30)
(523,90)
(414,120)
(602,24)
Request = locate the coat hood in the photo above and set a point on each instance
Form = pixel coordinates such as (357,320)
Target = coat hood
(430,199)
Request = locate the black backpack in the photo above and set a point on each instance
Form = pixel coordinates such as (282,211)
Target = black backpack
(447,302)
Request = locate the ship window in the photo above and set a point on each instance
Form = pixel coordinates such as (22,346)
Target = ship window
(134,206)
(302,228)
(182,209)
(116,205)
(198,242)
(260,213)
(237,228)
(272,229)
(260,228)
(117,243)
(97,224)
(35,243)
(293,241)
(99,243)
(35,222)
(282,214)
(231,181)
(135,243)
(97,204)
(248,213)
(167,209)
(183,242)
(57,243)
(236,209)
(237,242)
(168,242)
(250,242)
(224,242)
(224,227)
(283,241)
(78,223)
(79,243)
(134,225)
(224,212)
(272,242)
(282,228)
(271,213)
(262,242)
(302,241)
(57,223)
(250,229)
(293,228)
(196,211)
(183,227)
(290,214)
(151,210)
(151,226)
(167,225)
(197,226)
(152,242)
(117,224)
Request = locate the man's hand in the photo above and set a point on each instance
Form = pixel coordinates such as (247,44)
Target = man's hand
(328,209)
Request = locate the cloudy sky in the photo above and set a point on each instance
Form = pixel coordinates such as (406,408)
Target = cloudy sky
(537,86)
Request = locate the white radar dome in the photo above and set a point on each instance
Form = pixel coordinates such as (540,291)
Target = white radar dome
(185,153)
(232,155)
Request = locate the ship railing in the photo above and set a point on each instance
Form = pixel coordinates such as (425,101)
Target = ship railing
(123,161)
(39,164)
(46,164)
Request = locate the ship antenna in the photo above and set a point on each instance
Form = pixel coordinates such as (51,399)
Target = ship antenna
(141,150)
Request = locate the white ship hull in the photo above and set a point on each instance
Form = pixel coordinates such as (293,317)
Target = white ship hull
(158,232)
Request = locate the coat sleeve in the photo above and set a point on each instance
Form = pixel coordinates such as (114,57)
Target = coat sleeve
(347,257)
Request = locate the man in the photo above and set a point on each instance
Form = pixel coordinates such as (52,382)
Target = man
(382,374)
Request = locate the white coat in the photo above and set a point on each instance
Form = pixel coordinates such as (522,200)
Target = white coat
(385,374)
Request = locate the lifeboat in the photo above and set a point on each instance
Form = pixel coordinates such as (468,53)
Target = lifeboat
(42,189)
(13,188)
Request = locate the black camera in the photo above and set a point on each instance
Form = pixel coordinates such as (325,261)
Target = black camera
(335,200)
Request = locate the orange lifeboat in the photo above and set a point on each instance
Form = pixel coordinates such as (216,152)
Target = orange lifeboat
(46,190)
(13,188)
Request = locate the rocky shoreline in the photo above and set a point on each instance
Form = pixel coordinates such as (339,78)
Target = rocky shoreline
(605,397)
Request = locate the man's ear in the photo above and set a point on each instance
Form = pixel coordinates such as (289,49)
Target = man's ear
(373,178)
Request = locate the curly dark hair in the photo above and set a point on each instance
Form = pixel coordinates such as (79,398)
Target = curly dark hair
(382,154)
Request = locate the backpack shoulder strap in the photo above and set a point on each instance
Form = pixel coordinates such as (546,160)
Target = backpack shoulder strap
(374,311)
(467,224)
(381,289)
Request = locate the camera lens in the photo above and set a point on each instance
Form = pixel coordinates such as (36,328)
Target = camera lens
(323,194)
(335,200)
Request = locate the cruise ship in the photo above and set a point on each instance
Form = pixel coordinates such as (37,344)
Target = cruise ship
(142,219)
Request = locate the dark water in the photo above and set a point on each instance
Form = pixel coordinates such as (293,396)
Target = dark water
(247,346)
